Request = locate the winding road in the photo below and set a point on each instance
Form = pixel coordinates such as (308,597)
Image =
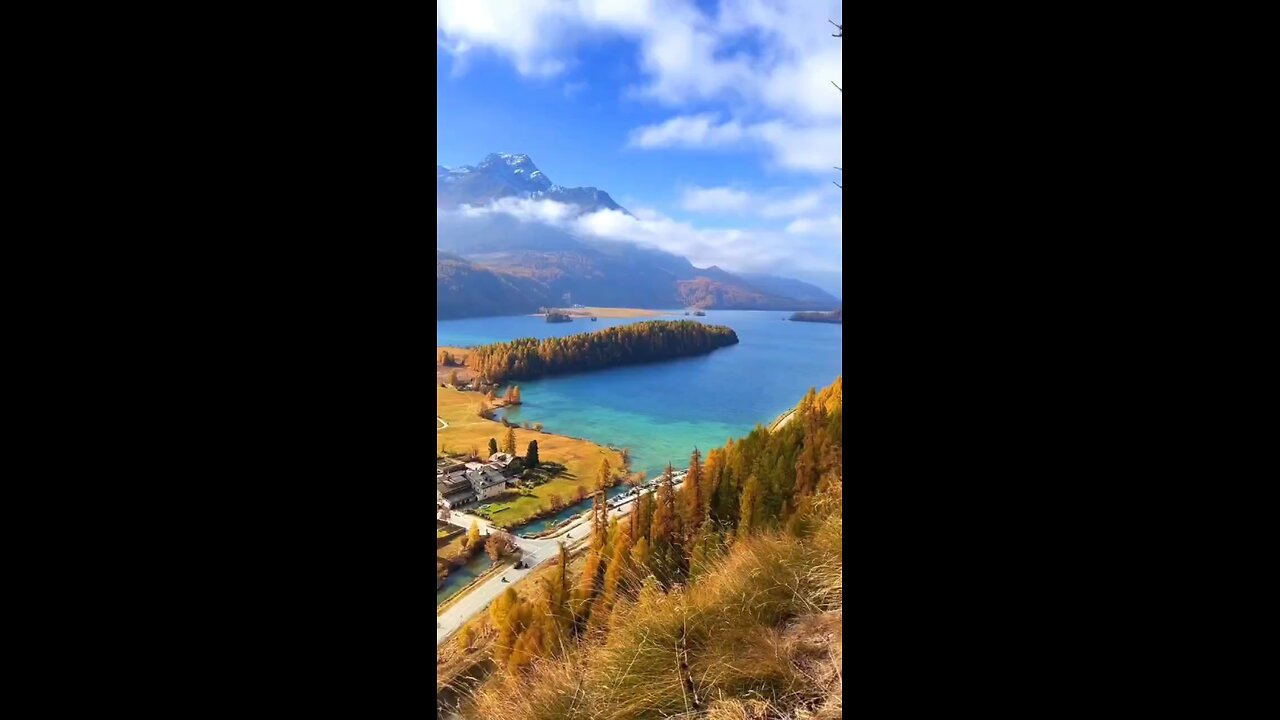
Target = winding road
(534,551)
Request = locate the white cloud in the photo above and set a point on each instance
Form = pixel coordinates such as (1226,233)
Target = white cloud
(688,131)
(498,25)
(771,61)
(829,225)
(719,199)
(523,209)
(573,88)
(813,248)
(772,204)
(791,146)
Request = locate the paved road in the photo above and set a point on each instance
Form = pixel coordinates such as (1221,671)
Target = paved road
(783,421)
(533,552)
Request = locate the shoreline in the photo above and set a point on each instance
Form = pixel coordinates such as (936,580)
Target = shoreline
(579,456)
(608,313)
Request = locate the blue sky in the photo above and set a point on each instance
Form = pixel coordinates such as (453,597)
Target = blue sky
(715,123)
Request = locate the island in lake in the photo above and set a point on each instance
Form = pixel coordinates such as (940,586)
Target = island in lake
(622,345)
(835,316)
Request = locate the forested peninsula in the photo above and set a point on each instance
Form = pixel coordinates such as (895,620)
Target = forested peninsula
(624,345)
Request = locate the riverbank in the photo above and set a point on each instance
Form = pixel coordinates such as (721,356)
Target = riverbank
(467,430)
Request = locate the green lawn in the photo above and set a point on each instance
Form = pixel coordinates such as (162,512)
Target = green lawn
(467,429)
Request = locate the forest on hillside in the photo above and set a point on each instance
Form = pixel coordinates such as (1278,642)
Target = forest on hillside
(722,598)
(622,345)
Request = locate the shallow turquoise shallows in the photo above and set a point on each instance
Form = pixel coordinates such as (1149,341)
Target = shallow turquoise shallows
(661,411)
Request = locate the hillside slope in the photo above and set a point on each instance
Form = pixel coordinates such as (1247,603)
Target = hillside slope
(727,604)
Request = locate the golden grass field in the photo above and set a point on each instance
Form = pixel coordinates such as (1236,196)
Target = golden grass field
(605,312)
(467,430)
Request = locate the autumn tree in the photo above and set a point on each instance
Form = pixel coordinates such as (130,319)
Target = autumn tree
(664,513)
(445,358)
(473,535)
(558,597)
(493,447)
(749,506)
(691,496)
(642,518)
(515,395)
(638,342)
(614,577)
(499,544)
(640,558)
(584,594)
(509,445)
(599,519)
(665,531)
(611,536)
(504,613)
(604,476)
(453,378)
(531,455)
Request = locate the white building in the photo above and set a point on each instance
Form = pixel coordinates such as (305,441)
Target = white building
(486,482)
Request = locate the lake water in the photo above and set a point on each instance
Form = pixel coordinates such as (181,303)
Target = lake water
(661,411)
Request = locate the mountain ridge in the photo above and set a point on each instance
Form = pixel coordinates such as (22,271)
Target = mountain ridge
(501,175)
(497,264)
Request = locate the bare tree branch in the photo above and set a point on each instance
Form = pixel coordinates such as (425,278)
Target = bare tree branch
(833,82)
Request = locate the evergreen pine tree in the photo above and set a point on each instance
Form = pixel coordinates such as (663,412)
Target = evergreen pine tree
(531,455)
(493,447)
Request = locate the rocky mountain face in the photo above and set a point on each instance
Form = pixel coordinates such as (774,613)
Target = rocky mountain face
(495,264)
(502,175)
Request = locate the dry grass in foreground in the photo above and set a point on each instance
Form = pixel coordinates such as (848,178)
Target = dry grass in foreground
(757,636)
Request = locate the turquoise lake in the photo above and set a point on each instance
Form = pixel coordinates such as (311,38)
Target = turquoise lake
(661,411)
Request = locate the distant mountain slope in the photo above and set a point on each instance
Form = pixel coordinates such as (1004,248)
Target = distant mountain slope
(495,264)
(464,289)
(788,287)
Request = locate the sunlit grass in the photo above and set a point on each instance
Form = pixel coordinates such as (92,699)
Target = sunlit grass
(468,430)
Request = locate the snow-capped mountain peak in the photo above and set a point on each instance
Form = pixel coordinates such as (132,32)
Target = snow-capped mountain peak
(511,174)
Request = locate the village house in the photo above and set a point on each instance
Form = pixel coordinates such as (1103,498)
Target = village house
(486,482)
(500,460)
(454,490)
